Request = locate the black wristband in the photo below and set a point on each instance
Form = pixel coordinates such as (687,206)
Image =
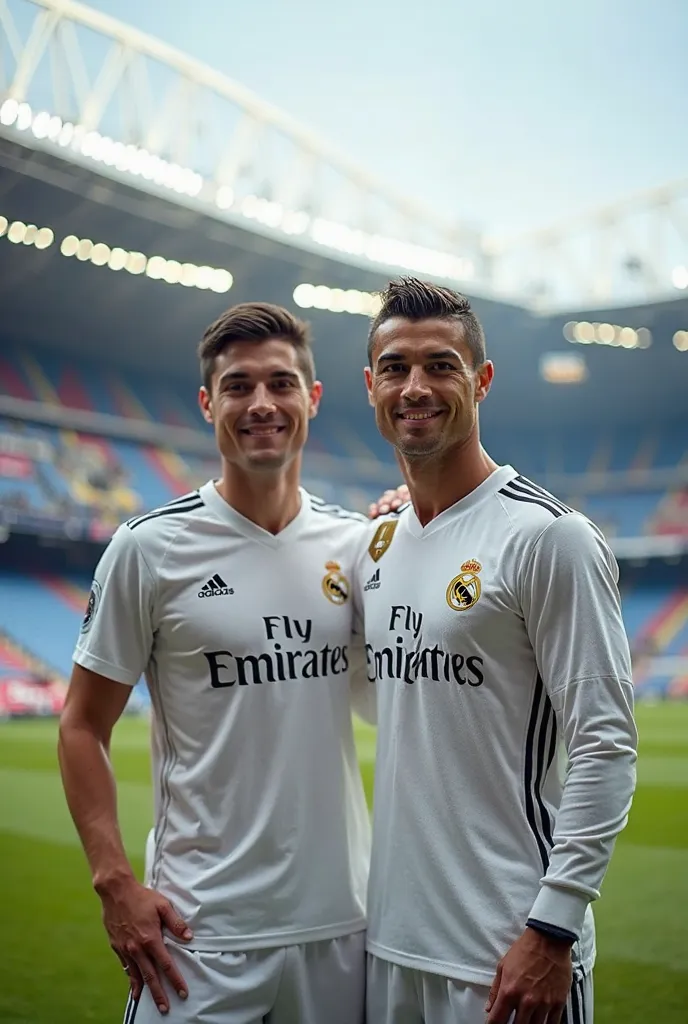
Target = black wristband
(553,930)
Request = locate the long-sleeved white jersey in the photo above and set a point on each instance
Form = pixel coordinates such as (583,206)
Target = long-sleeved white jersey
(261,827)
(506,741)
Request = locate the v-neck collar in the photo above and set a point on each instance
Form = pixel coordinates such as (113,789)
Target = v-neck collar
(484,490)
(224,511)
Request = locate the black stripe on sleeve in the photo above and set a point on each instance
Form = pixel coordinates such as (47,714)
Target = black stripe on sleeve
(526,487)
(548,721)
(529,777)
(178,511)
(530,500)
(337,512)
(192,498)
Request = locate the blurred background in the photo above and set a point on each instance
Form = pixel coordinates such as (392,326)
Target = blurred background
(159,162)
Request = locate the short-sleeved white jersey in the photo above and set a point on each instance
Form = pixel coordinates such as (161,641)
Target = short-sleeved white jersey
(261,826)
(495,639)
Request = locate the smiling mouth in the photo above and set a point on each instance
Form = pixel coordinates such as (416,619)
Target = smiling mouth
(261,431)
(419,415)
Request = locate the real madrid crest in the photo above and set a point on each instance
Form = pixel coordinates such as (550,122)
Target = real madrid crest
(464,590)
(335,584)
(382,539)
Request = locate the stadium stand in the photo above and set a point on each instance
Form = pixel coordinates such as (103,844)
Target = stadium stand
(65,475)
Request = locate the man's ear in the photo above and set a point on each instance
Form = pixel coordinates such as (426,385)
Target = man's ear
(485,376)
(205,405)
(368,377)
(314,399)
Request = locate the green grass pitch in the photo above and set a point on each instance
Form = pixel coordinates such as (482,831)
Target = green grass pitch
(56,966)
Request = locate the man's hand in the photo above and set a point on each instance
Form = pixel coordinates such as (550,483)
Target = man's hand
(390,501)
(134,917)
(534,979)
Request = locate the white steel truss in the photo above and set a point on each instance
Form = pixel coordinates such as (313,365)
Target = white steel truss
(632,251)
(82,82)
(78,79)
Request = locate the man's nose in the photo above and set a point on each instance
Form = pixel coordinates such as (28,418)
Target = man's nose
(416,385)
(262,402)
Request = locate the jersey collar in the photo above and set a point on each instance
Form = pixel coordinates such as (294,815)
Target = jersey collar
(224,511)
(484,490)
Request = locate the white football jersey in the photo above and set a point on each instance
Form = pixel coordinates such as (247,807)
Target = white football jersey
(261,825)
(495,638)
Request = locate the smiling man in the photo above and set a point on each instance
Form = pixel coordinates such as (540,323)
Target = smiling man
(494,636)
(235,602)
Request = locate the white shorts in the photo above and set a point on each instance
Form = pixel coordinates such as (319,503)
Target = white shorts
(399,995)
(314,983)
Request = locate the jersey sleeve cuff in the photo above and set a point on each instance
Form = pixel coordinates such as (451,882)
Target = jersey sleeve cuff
(563,908)
(105,668)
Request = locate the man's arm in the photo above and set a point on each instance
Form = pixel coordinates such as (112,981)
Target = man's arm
(113,648)
(93,706)
(133,915)
(572,612)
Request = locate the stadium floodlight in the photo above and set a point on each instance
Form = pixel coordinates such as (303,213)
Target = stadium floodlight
(69,245)
(628,337)
(606,334)
(222,281)
(155,268)
(303,295)
(118,259)
(172,272)
(582,332)
(204,277)
(136,263)
(9,112)
(679,277)
(16,232)
(100,254)
(84,250)
(66,134)
(131,159)
(680,340)
(336,300)
(563,368)
(24,117)
(40,125)
(189,275)
(224,197)
(295,222)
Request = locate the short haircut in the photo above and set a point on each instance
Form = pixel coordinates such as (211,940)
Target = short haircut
(413,299)
(256,322)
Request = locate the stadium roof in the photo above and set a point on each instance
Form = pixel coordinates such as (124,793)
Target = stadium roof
(78,304)
(80,82)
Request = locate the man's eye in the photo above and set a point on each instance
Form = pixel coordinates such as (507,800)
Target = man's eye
(441,366)
(393,368)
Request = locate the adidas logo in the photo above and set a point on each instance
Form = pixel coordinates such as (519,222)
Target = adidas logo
(215,587)
(374,581)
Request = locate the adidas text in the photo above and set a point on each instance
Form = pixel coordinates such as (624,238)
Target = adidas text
(215,587)
(374,581)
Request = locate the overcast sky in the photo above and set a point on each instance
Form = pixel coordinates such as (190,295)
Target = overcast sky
(512,114)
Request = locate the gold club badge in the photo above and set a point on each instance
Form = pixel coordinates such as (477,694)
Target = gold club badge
(335,585)
(464,590)
(382,539)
